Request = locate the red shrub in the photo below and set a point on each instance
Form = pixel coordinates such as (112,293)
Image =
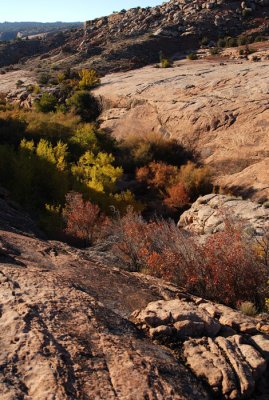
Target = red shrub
(226,268)
(83,219)
(234,271)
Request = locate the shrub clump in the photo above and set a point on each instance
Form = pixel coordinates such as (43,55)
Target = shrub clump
(47,103)
(225,268)
(85,105)
(192,56)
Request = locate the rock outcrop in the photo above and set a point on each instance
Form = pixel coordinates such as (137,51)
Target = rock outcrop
(208,214)
(64,328)
(219,110)
(221,346)
(71,328)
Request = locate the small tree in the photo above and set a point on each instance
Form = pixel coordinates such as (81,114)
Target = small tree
(83,219)
(89,79)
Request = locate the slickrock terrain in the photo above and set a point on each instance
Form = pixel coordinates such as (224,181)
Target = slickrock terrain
(208,213)
(218,109)
(230,354)
(64,328)
(71,328)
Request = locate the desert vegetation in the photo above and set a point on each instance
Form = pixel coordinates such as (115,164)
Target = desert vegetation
(83,186)
(59,138)
(229,267)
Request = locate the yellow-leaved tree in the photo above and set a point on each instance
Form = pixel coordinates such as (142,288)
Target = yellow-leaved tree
(97,171)
(88,79)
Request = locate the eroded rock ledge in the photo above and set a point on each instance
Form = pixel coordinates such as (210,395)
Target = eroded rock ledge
(227,350)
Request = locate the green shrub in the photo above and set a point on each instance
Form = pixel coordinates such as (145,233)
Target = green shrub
(204,41)
(246,12)
(242,40)
(89,79)
(85,105)
(19,83)
(166,63)
(44,78)
(214,51)
(192,56)
(231,42)
(221,43)
(46,103)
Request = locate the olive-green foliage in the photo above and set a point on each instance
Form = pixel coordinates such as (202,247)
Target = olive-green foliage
(239,41)
(166,63)
(44,78)
(204,41)
(139,151)
(85,105)
(221,43)
(196,180)
(46,103)
(214,51)
(36,175)
(86,138)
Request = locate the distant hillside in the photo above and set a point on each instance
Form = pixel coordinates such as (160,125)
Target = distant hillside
(136,37)
(9,30)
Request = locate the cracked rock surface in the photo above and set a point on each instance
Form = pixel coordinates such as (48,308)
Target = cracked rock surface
(221,346)
(64,328)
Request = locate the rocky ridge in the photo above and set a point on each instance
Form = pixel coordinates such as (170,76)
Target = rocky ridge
(133,38)
(219,345)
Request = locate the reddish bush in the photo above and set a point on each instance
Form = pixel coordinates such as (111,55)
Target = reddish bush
(83,219)
(176,196)
(234,271)
(226,268)
(158,175)
(128,235)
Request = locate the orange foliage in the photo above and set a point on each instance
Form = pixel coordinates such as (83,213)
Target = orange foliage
(158,175)
(177,196)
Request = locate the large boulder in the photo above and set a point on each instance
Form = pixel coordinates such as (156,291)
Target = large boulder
(208,214)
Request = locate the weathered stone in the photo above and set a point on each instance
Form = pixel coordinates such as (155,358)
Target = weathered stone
(261,342)
(163,332)
(64,332)
(208,213)
(187,318)
(230,366)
